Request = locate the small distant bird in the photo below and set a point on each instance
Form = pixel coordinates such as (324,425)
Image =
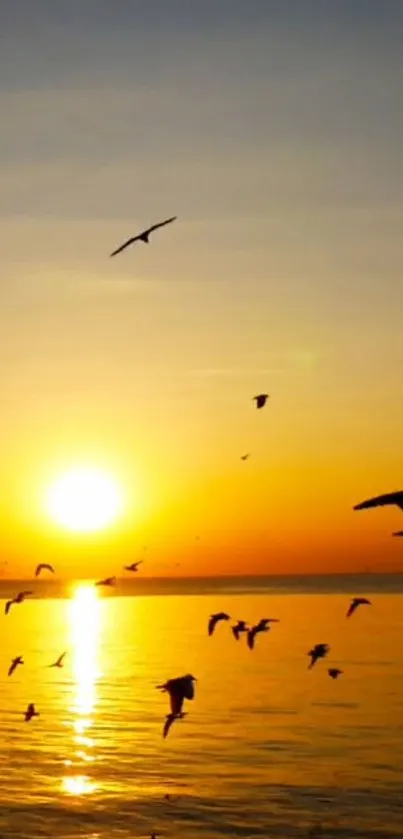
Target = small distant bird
(382,501)
(262,626)
(43,566)
(215,619)
(18,599)
(59,661)
(134,566)
(30,712)
(178,689)
(318,651)
(334,672)
(261,400)
(14,664)
(355,603)
(245,456)
(398,533)
(144,236)
(108,581)
(239,628)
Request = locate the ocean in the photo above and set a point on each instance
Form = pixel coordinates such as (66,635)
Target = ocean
(268,748)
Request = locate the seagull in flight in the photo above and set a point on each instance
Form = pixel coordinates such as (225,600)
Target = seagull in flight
(262,626)
(18,599)
(334,672)
(108,581)
(43,566)
(30,712)
(382,501)
(178,689)
(239,628)
(144,236)
(215,619)
(134,566)
(355,603)
(14,664)
(318,651)
(245,456)
(261,400)
(59,661)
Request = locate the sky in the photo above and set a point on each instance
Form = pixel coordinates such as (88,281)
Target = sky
(274,131)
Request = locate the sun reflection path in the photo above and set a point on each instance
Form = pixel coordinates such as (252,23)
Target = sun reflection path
(84,626)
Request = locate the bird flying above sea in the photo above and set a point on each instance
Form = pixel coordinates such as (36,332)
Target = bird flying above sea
(43,566)
(144,236)
(261,400)
(30,712)
(245,456)
(239,628)
(108,581)
(389,498)
(334,672)
(215,619)
(355,603)
(14,664)
(134,566)
(178,690)
(18,599)
(318,651)
(59,661)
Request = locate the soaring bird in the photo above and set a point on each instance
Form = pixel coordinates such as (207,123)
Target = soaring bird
(398,533)
(262,626)
(30,712)
(245,456)
(17,599)
(14,664)
(261,400)
(334,672)
(382,501)
(355,603)
(134,566)
(239,628)
(215,619)
(144,236)
(59,661)
(108,581)
(43,566)
(178,689)
(318,651)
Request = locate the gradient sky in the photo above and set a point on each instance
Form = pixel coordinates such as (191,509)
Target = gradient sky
(274,130)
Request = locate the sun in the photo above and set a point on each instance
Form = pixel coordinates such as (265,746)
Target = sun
(84,500)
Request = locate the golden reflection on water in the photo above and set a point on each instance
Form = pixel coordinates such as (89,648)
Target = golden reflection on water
(84,627)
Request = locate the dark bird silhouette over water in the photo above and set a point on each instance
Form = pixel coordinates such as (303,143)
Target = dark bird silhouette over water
(178,689)
(262,626)
(134,566)
(355,603)
(30,712)
(261,399)
(108,581)
(245,456)
(239,628)
(382,501)
(318,651)
(14,664)
(334,672)
(144,236)
(215,619)
(59,661)
(18,599)
(43,566)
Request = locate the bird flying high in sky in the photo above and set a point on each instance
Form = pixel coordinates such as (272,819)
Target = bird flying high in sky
(14,664)
(144,236)
(43,566)
(134,566)
(382,501)
(261,399)
(108,581)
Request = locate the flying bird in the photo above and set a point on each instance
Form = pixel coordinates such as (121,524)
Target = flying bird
(215,619)
(261,400)
(59,661)
(245,456)
(262,626)
(178,689)
(318,651)
(239,628)
(398,533)
(14,664)
(134,566)
(30,712)
(334,672)
(18,599)
(355,603)
(144,236)
(43,566)
(382,501)
(108,581)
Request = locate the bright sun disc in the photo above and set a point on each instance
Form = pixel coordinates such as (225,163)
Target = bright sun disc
(84,500)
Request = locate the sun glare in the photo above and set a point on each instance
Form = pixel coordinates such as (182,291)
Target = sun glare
(84,500)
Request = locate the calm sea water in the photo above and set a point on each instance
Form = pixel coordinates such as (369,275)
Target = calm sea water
(268,748)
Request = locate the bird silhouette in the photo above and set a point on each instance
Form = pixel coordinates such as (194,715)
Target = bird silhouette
(262,626)
(355,603)
(318,651)
(14,664)
(17,599)
(334,672)
(108,581)
(239,628)
(215,619)
(43,566)
(143,236)
(382,501)
(59,661)
(178,689)
(261,400)
(398,533)
(245,456)
(30,712)
(134,566)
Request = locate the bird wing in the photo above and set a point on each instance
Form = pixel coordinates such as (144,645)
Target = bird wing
(12,667)
(251,638)
(60,659)
(351,609)
(160,224)
(125,245)
(382,501)
(398,533)
(235,632)
(49,567)
(38,570)
(211,624)
(8,606)
(167,725)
